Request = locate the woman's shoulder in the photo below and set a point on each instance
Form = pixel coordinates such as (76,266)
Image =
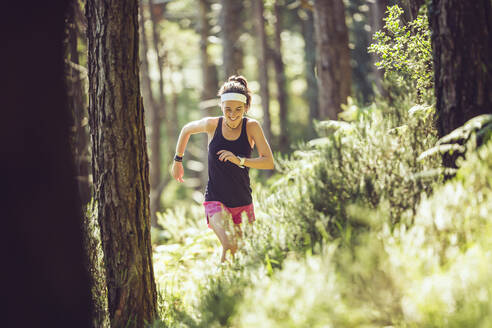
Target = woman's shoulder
(212,122)
(252,124)
(213,119)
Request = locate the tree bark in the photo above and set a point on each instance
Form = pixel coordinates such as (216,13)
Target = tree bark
(262,58)
(230,23)
(462,54)
(332,57)
(76,74)
(43,260)
(280,78)
(120,162)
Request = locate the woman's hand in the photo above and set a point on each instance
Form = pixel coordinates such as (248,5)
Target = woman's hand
(225,155)
(178,171)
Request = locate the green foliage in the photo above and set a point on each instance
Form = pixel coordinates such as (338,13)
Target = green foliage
(393,254)
(182,259)
(432,272)
(368,161)
(444,262)
(406,53)
(221,296)
(293,212)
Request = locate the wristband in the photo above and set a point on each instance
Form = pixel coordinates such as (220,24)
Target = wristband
(241,162)
(178,158)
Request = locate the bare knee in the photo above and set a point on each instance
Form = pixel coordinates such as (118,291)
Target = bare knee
(215,220)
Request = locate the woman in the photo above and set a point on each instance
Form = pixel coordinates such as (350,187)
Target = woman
(231,139)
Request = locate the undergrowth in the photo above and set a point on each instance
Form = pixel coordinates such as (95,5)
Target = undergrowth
(357,228)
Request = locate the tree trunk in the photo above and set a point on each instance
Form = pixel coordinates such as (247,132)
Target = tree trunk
(157,13)
(159,112)
(462,50)
(153,111)
(230,23)
(411,8)
(120,162)
(77,104)
(209,70)
(159,115)
(45,282)
(75,75)
(332,57)
(280,78)
(360,39)
(173,105)
(378,9)
(262,57)
(209,78)
(310,66)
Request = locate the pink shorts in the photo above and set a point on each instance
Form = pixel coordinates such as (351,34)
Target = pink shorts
(212,207)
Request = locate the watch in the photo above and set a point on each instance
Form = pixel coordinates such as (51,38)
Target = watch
(241,162)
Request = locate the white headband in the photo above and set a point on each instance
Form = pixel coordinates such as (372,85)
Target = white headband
(233,96)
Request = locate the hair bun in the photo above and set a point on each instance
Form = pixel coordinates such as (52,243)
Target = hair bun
(239,78)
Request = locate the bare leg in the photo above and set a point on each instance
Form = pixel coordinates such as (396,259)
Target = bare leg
(237,236)
(218,226)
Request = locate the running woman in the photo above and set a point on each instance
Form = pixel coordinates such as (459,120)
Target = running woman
(231,139)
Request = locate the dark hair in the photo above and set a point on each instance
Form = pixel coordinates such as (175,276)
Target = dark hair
(236,83)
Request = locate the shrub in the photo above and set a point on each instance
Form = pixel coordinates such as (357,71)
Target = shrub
(434,272)
(406,53)
(364,162)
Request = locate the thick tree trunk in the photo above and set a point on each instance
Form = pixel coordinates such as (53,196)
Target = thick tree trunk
(262,57)
(462,50)
(230,23)
(45,282)
(332,57)
(75,75)
(280,78)
(310,66)
(120,163)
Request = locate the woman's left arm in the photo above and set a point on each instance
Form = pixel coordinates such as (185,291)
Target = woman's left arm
(265,159)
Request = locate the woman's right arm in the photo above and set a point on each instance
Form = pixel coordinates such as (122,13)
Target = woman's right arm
(198,126)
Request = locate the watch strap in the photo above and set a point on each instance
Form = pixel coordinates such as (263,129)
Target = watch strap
(241,162)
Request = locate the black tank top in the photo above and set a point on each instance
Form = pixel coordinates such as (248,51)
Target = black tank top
(227,182)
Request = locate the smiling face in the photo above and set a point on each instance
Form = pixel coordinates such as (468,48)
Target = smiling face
(233,111)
